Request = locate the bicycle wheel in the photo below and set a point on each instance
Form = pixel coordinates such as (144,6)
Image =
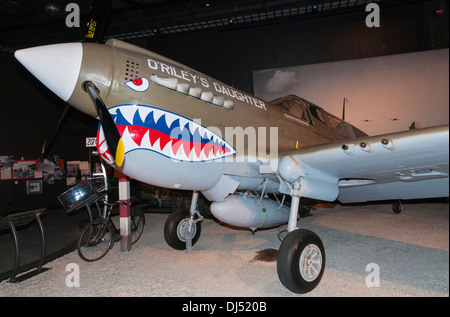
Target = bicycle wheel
(95,241)
(137,226)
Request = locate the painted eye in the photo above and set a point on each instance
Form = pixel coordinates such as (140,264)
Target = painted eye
(139,84)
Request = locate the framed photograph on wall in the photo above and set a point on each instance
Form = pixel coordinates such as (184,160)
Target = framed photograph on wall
(6,164)
(25,169)
(34,187)
(5,173)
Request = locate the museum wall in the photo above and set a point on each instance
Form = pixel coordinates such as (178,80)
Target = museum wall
(29,111)
(383,94)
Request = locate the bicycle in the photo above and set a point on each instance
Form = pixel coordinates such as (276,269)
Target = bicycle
(99,235)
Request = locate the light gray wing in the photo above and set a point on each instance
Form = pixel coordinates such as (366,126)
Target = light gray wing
(403,165)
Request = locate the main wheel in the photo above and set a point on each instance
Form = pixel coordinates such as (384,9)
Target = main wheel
(397,207)
(301,261)
(137,226)
(95,240)
(176,229)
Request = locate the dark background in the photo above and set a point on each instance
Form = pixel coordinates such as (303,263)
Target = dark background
(227,41)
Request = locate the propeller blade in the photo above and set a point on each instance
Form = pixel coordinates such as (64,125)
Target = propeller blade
(97,20)
(62,117)
(112,135)
(96,24)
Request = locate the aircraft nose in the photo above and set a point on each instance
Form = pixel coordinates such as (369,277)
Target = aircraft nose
(56,66)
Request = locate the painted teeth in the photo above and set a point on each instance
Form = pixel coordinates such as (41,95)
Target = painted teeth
(166,133)
(102,147)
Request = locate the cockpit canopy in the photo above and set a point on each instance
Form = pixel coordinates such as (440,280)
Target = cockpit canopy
(307,113)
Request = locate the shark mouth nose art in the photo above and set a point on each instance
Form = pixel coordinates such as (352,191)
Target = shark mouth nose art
(163,132)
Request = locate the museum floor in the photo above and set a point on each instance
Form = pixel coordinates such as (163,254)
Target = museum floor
(408,252)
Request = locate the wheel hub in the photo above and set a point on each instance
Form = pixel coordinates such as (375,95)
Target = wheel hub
(183,230)
(310,262)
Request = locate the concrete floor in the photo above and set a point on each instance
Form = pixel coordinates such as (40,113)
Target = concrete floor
(410,251)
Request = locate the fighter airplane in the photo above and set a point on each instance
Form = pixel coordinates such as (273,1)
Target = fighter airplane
(168,125)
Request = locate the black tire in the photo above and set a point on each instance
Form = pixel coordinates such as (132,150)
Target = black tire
(174,229)
(95,240)
(397,207)
(301,248)
(137,225)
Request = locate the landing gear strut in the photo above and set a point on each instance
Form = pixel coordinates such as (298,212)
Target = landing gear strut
(301,257)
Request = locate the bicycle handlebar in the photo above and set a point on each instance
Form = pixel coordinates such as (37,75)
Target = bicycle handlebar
(123,203)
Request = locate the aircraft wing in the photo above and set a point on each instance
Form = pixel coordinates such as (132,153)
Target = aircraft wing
(403,165)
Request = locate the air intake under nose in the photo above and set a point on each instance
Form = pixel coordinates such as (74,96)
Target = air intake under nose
(56,66)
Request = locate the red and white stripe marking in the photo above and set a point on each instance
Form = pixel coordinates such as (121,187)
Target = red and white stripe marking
(125,213)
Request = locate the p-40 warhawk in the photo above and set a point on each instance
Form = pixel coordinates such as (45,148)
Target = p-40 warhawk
(168,125)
